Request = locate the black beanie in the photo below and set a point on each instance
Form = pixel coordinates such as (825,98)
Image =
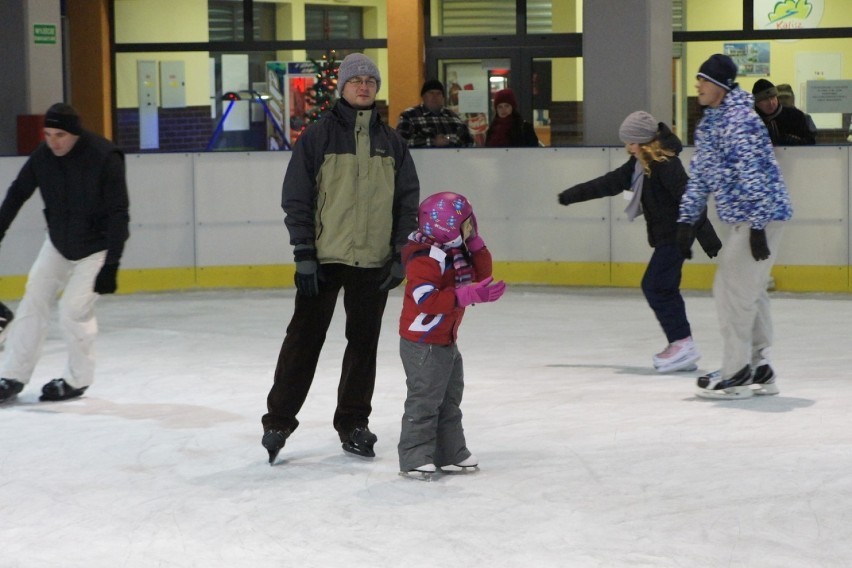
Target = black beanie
(763,89)
(719,69)
(63,117)
(432,85)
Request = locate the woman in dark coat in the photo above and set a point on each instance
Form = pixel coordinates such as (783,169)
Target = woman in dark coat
(508,127)
(657,179)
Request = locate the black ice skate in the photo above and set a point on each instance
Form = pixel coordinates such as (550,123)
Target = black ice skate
(58,389)
(711,385)
(273,441)
(361,442)
(763,380)
(9,389)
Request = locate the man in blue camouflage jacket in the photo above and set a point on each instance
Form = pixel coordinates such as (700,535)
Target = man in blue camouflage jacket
(735,161)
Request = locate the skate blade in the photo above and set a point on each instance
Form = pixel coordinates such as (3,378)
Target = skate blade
(733,393)
(459,470)
(418,475)
(762,390)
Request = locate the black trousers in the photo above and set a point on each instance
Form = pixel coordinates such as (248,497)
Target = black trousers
(661,286)
(364,303)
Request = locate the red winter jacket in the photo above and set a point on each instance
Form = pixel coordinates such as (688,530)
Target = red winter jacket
(430,313)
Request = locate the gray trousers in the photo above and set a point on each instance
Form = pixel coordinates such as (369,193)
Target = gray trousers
(742,302)
(432,423)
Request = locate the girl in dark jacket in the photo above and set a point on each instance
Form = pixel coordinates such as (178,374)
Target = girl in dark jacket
(655,176)
(508,127)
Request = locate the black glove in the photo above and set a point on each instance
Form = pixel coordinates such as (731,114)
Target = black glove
(105,282)
(565,198)
(685,236)
(712,249)
(395,273)
(759,247)
(307,270)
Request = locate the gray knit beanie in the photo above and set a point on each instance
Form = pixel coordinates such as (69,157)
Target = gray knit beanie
(639,127)
(356,64)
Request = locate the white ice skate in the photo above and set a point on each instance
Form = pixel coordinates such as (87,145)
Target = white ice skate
(680,355)
(422,473)
(468,465)
(737,387)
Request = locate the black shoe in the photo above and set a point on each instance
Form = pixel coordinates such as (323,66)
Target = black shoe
(58,389)
(9,388)
(273,441)
(361,442)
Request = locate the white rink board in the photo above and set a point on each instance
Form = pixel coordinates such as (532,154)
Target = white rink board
(224,209)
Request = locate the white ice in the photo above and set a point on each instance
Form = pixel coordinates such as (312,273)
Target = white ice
(588,456)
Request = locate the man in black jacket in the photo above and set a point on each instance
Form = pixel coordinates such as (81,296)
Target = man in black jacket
(82,182)
(788,126)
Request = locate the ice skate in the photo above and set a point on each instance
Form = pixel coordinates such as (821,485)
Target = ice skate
(680,355)
(9,389)
(763,380)
(467,465)
(58,389)
(360,442)
(423,473)
(737,387)
(273,441)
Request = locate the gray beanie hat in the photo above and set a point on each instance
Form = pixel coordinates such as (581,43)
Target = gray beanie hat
(356,64)
(639,127)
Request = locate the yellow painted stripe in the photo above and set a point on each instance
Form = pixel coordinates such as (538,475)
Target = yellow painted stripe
(831,279)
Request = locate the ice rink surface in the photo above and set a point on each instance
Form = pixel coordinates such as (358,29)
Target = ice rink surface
(589,458)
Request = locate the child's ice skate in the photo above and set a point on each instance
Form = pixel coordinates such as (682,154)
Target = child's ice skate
(467,465)
(680,355)
(423,473)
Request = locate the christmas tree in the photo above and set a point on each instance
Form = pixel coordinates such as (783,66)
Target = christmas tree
(323,91)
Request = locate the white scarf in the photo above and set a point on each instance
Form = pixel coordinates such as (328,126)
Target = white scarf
(634,194)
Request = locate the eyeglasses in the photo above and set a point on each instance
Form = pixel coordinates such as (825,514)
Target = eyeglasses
(358,82)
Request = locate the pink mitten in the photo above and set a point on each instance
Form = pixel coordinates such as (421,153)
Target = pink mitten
(477,292)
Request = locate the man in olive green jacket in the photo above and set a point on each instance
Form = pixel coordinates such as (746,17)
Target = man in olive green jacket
(350,195)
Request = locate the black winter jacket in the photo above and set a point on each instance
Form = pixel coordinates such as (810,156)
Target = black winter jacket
(84,193)
(661,193)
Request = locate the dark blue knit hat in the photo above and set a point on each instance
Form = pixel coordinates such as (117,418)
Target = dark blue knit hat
(719,69)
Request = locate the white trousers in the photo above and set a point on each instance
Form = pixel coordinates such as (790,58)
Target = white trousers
(742,302)
(53,275)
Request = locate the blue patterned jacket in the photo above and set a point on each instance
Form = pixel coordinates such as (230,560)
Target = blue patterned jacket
(735,161)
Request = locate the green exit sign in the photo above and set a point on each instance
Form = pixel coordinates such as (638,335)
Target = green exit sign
(44,33)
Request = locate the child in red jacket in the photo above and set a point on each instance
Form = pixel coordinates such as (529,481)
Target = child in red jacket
(447,268)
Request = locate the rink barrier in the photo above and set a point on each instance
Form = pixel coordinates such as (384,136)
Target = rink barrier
(213,220)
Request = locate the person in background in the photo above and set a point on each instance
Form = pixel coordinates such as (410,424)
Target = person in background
(82,181)
(787,98)
(787,126)
(448,268)
(432,125)
(508,128)
(350,195)
(654,180)
(734,160)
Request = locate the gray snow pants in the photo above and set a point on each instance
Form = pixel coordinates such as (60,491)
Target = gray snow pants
(432,423)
